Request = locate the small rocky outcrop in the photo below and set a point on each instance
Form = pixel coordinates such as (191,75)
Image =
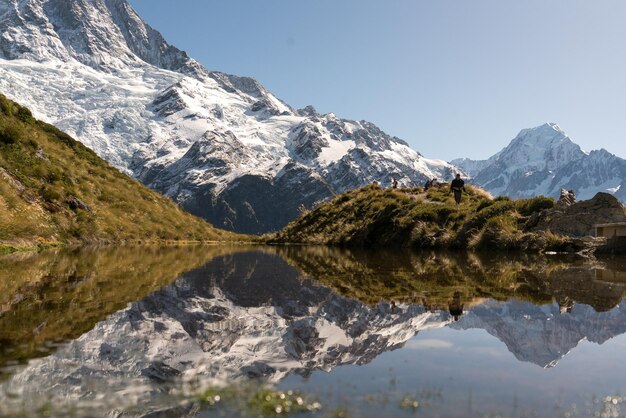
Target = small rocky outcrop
(567,198)
(75,203)
(578,219)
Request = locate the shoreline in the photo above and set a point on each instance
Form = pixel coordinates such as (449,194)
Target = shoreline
(12,247)
(584,246)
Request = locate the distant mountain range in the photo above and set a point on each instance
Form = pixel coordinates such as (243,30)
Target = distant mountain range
(541,161)
(542,334)
(221,145)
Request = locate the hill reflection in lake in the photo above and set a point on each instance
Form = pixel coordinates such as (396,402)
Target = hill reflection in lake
(282,315)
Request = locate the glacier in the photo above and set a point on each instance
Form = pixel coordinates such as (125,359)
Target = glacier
(220,145)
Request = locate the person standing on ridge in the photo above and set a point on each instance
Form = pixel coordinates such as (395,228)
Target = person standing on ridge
(394,183)
(458,187)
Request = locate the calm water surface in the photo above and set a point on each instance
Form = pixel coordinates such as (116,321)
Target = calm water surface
(145,331)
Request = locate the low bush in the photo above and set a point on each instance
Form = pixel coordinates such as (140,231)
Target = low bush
(10,132)
(527,207)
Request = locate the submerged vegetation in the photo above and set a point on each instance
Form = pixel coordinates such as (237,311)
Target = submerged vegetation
(53,189)
(251,401)
(372,216)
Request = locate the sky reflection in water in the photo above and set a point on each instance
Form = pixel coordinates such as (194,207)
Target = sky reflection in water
(536,336)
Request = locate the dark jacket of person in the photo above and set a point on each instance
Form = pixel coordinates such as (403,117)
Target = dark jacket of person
(457,185)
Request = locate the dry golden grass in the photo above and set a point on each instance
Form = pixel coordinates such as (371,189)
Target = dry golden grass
(372,216)
(43,172)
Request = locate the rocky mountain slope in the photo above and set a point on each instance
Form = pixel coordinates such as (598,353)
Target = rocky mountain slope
(221,145)
(541,161)
(54,189)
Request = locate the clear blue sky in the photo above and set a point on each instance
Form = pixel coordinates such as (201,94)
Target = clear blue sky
(451,77)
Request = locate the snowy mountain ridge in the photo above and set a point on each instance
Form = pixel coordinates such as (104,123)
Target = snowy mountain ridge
(220,145)
(541,161)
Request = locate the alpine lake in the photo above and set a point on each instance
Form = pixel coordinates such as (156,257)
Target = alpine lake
(204,331)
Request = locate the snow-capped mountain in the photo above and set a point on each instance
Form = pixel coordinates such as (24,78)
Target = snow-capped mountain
(541,161)
(221,145)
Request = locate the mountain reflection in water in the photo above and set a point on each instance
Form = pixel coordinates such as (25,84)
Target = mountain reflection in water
(270,312)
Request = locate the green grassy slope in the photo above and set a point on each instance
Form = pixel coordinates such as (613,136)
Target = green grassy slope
(373,216)
(54,189)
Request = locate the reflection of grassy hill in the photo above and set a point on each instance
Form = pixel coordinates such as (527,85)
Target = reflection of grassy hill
(61,295)
(412,217)
(53,188)
(432,278)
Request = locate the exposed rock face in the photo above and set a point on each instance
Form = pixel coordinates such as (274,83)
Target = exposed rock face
(568,198)
(579,219)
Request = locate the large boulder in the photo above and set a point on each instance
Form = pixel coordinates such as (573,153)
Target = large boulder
(579,219)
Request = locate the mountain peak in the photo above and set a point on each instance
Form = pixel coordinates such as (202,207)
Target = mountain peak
(541,145)
(542,135)
(103,34)
(541,161)
(309,111)
(553,126)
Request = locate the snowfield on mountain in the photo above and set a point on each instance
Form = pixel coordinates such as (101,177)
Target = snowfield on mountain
(220,145)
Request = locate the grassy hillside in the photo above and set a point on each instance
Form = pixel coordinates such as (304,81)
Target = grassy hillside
(373,216)
(54,189)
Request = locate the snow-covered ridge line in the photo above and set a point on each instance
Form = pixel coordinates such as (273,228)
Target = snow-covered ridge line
(221,145)
(541,161)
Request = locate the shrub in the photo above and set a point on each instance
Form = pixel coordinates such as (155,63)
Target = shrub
(6,106)
(529,206)
(499,207)
(49,194)
(10,132)
(483,204)
(24,114)
(500,233)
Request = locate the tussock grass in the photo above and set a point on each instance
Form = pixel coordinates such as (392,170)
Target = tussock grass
(372,216)
(54,189)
